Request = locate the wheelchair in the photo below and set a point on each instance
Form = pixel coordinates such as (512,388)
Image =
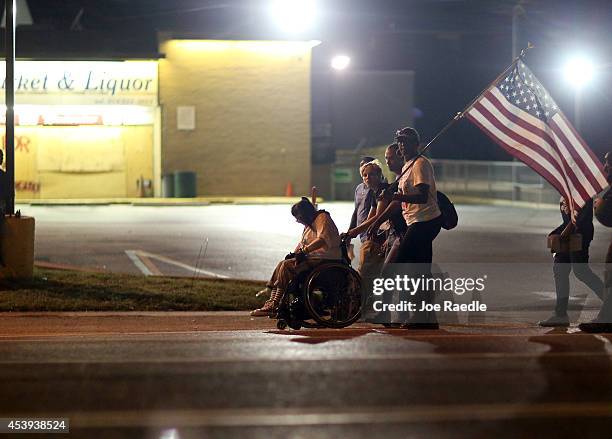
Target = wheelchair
(328,296)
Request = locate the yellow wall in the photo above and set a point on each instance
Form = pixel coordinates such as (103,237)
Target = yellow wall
(252,103)
(81,161)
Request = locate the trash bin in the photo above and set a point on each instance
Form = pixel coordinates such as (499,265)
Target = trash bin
(185,184)
(168,185)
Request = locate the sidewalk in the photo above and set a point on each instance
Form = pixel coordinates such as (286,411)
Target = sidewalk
(37,324)
(56,324)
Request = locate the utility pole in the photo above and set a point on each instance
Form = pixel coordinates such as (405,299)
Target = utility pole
(8,191)
(17,243)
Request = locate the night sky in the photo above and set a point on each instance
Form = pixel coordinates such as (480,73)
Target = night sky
(455,47)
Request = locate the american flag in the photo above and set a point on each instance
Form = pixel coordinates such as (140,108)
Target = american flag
(520,115)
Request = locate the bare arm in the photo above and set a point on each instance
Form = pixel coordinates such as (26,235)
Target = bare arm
(353,218)
(381,206)
(314,245)
(393,207)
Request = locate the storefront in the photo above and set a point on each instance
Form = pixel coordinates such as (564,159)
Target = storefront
(236,114)
(86,129)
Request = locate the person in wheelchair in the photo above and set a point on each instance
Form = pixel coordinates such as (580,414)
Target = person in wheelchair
(320,242)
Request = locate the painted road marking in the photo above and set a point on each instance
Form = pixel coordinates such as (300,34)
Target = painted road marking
(142,260)
(132,254)
(150,265)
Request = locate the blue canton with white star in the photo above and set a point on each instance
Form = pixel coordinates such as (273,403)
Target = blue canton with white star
(523,90)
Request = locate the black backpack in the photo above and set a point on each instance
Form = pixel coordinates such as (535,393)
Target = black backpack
(449,213)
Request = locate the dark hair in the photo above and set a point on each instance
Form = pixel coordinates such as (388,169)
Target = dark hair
(366,159)
(303,207)
(408,135)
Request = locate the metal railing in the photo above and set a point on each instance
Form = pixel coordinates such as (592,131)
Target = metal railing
(512,181)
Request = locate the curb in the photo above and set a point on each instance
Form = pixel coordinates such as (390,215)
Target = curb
(162,202)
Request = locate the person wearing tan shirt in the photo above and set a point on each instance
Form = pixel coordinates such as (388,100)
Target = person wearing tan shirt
(320,242)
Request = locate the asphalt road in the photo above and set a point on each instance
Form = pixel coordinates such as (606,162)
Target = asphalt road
(188,376)
(246,241)
(511,381)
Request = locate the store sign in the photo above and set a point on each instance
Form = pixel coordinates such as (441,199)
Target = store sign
(84,82)
(343,175)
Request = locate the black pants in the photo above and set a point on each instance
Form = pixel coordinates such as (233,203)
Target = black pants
(605,314)
(563,265)
(416,250)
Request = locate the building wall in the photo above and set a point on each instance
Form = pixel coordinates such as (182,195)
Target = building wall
(252,114)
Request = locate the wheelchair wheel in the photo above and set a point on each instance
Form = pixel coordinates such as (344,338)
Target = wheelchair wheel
(332,294)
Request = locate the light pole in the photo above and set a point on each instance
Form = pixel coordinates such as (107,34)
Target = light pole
(579,72)
(7,187)
(338,64)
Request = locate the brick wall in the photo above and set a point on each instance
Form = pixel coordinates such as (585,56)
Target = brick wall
(252,106)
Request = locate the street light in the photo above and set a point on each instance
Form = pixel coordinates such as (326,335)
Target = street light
(579,71)
(294,16)
(340,62)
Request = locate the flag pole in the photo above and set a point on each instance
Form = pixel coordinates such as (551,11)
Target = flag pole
(461,114)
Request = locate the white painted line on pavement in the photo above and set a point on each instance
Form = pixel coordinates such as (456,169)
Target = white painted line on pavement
(137,256)
(181,265)
(132,254)
(150,265)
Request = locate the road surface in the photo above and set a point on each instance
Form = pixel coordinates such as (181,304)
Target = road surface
(513,380)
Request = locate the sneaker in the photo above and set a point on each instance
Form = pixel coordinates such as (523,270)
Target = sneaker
(595,326)
(267,310)
(555,321)
(265,292)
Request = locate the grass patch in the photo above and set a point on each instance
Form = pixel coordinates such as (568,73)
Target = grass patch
(58,290)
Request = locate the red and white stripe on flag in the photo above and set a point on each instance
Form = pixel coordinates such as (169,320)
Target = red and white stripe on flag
(549,146)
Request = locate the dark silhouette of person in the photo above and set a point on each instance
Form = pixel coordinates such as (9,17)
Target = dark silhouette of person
(603,321)
(578,261)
